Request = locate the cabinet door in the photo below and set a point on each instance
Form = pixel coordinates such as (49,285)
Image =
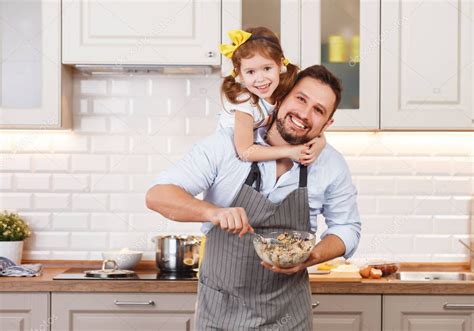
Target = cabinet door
(30,65)
(24,311)
(141,32)
(344,36)
(427,71)
(123,311)
(428,312)
(347,312)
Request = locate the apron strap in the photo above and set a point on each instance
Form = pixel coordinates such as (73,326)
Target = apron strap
(303,175)
(254,175)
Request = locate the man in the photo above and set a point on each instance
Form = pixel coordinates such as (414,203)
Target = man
(236,290)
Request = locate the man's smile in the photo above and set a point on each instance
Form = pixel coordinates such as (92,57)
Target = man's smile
(296,123)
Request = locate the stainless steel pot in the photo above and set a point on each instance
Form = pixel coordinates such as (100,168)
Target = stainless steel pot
(176,253)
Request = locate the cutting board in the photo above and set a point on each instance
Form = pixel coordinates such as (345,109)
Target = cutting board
(346,276)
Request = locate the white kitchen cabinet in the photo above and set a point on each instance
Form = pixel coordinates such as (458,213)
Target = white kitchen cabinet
(347,312)
(344,36)
(24,311)
(35,89)
(163,32)
(427,79)
(122,311)
(428,312)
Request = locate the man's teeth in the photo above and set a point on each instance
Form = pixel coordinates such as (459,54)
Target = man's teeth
(297,123)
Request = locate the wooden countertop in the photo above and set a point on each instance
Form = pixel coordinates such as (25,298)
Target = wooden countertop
(45,283)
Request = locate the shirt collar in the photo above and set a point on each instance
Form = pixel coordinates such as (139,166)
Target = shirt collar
(260,134)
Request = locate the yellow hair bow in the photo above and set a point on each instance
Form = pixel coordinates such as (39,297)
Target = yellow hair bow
(238,37)
(285,61)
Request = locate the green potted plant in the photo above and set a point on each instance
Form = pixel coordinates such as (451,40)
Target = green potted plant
(13,230)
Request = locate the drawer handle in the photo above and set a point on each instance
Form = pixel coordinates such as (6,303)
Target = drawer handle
(458,306)
(134,303)
(315,304)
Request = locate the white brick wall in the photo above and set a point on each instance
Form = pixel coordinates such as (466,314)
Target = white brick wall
(83,191)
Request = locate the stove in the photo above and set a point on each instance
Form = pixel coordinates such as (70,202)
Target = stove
(78,274)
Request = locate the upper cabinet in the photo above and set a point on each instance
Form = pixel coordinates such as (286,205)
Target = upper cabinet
(404,64)
(427,79)
(182,32)
(35,90)
(343,35)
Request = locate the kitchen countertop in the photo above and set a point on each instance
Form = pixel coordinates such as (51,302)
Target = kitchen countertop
(45,283)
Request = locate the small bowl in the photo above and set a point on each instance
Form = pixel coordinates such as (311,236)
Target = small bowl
(285,255)
(126,260)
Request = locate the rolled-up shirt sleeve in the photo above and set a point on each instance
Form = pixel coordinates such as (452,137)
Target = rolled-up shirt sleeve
(341,213)
(197,170)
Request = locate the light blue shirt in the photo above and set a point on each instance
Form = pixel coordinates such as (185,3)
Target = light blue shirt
(213,167)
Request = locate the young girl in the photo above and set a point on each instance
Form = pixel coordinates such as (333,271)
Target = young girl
(259,81)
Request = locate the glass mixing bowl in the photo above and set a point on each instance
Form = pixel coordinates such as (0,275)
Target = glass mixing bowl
(292,248)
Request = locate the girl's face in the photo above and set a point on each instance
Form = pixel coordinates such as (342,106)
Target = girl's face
(260,75)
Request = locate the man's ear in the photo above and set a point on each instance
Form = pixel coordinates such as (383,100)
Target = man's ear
(327,125)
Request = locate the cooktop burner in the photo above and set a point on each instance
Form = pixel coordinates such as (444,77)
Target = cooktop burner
(78,274)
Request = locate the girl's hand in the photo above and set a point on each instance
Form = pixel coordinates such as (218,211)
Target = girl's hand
(296,152)
(316,145)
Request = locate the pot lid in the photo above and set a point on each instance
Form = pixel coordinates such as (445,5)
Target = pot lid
(110,273)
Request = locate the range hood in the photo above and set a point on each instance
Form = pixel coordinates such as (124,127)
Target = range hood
(101,69)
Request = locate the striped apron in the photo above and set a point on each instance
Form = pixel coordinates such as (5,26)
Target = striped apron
(235,292)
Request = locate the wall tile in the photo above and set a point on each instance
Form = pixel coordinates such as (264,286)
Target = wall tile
(71,183)
(433,244)
(128,202)
(89,163)
(70,221)
(90,202)
(37,221)
(15,162)
(109,183)
(109,144)
(110,106)
(109,221)
(50,163)
(89,240)
(90,124)
(50,240)
(73,143)
(454,185)
(52,201)
(15,201)
(6,182)
(32,182)
(411,185)
(94,87)
(451,224)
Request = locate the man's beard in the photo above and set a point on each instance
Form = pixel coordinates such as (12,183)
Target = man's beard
(288,136)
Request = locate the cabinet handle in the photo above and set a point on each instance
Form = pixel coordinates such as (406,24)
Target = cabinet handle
(458,306)
(210,54)
(315,304)
(134,303)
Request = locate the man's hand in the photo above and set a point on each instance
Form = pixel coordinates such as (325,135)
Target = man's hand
(231,220)
(314,258)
